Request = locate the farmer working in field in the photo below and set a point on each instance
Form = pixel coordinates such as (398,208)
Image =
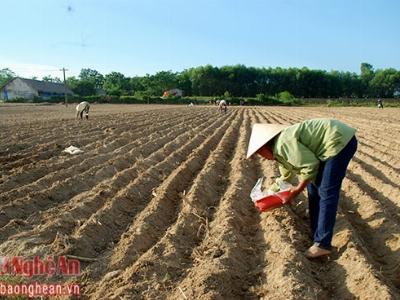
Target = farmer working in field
(318,151)
(222,106)
(81,108)
(380,103)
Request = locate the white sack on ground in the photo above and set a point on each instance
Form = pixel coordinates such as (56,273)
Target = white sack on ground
(73,150)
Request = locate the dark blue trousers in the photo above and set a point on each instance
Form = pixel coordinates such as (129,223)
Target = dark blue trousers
(323,195)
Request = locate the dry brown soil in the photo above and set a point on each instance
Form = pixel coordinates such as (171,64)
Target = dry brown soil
(159,200)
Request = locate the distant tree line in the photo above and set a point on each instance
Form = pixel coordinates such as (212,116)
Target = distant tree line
(239,81)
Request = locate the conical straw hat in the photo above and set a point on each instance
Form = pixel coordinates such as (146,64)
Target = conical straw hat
(262,134)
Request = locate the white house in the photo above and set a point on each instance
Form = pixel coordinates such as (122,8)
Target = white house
(24,88)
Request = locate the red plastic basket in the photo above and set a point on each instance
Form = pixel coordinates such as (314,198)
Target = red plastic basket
(272,201)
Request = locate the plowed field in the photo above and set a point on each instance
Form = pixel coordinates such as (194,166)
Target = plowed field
(158,204)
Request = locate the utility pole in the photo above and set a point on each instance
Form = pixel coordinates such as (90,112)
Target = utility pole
(65,87)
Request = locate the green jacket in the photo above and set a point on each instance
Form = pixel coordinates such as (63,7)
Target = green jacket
(300,147)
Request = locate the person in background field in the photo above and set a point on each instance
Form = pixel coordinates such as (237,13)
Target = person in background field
(81,108)
(318,151)
(380,103)
(222,106)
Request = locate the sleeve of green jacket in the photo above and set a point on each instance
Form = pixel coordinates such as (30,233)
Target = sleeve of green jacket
(301,158)
(286,175)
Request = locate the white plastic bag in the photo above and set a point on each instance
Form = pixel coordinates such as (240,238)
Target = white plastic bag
(257,194)
(73,150)
(284,185)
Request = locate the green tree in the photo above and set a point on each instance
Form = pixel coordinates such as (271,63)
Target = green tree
(49,78)
(367,73)
(206,81)
(136,85)
(184,83)
(81,87)
(285,96)
(92,76)
(385,83)
(160,82)
(261,97)
(5,75)
(242,81)
(116,84)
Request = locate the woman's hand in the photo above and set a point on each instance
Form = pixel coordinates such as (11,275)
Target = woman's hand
(295,191)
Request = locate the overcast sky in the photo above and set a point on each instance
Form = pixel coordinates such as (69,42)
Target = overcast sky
(137,37)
